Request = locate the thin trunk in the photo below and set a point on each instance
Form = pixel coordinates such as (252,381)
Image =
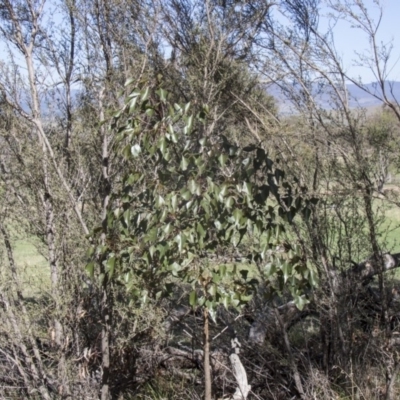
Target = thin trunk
(68,78)
(391,380)
(46,197)
(105,343)
(11,261)
(105,295)
(376,252)
(206,361)
(47,200)
(295,371)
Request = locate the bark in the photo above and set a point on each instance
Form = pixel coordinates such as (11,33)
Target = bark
(206,355)
(243,389)
(105,295)
(105,343)
(391,381)
(293,365)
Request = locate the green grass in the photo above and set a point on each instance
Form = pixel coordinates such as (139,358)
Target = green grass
(33,268)
(391,229)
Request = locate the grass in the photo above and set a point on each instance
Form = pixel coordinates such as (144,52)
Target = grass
(33,267)
(391,229)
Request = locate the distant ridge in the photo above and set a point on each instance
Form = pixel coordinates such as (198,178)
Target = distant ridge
(51,103)
(357,96)
(363,99)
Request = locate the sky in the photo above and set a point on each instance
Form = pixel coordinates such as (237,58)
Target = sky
(349,40)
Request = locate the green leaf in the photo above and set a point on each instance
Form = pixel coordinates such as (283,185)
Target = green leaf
(218,224)
(300,301)
(237,215)
(247,188)
(162,250)
(189,125)
(234,300)
(168,228)
(177,107)
(181,240)
(162,145)
(150,112)
(226,301)
(229,202)
(90,269)
(193,298)
(222,159)
(222,192)
(162,94)
(145,94)
(193,187)
(270,269)
(127,217)
(151,235)
(201,300)
(128,277)
(200,230)
(129,81)
(216,278)
(174,202)
(278,231)
(186,108)
(90,251)
(313,277)
(186,195)
(159,201)
(132,105)
(175,268)
(174,137)
(110,266)
(184,163)
(212,290)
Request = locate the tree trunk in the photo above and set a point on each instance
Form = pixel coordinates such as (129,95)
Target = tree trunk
(105,344)
(206,361)
(295,371)
(105,298)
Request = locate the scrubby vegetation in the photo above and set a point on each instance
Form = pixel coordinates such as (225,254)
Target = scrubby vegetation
(166,232)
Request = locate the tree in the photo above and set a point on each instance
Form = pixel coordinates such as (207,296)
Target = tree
(184,207)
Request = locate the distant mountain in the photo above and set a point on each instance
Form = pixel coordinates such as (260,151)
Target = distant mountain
(52,104)
(363,99)
(357,96)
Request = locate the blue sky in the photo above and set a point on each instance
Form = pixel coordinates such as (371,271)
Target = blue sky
(348,40)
